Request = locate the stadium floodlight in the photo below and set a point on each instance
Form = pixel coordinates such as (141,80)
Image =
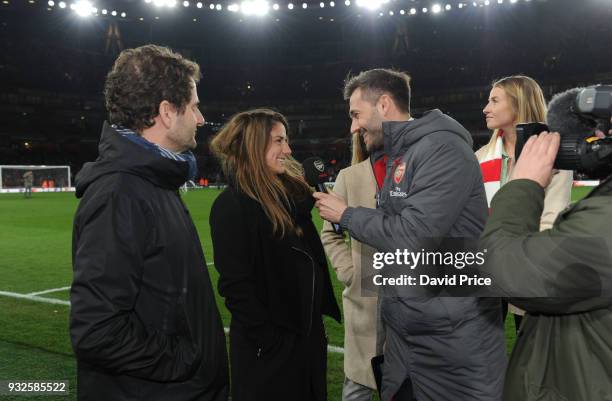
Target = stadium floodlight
(275,7)
(123,15)
(412,11)
(460,5)
(391,13)
(347,2)
(448,7)
(332,4)
(512,1)
(185,3)
(255,7)
(500,1)
(487,2)
(304,6)
(402,12)
(233,8)
(322,5)
(62,4)
(114,13)
(219,7)
(290,6)
(436,8)
(424,10)
(212,6)
(104,12)
(199,4)
(51,3)
(83,8)
(369,4)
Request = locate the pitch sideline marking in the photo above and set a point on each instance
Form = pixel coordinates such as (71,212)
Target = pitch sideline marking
(49,291)
(35,298)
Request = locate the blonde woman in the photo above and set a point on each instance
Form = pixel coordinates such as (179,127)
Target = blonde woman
(272,267)
(514,100)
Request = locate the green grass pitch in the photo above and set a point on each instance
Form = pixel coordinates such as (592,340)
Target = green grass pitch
(35,255)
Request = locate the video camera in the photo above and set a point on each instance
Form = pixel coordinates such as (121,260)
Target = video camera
(577,114)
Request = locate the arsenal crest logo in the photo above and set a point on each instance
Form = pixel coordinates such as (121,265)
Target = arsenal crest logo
(399,173)
(319,165)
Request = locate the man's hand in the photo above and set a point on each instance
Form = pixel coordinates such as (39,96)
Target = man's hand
(331,206)
(537,158)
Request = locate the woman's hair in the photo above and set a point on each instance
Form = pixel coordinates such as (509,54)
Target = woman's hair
(526,98)
(358,149)
(241,147)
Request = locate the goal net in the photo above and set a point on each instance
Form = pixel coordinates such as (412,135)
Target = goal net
(43,178)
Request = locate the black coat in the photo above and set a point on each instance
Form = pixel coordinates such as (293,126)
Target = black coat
(277,345)
(144,323)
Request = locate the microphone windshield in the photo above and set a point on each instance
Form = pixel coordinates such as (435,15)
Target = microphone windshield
(563,116)
(314,171)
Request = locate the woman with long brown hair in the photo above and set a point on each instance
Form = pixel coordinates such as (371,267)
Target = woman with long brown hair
(273,272)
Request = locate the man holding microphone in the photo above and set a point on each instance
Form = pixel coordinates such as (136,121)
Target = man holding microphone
(450,349)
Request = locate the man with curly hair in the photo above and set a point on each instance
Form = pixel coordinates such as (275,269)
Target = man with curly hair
(144,323)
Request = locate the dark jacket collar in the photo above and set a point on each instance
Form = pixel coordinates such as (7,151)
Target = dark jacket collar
(117,154)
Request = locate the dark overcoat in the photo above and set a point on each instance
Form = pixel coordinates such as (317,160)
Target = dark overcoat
(276,289)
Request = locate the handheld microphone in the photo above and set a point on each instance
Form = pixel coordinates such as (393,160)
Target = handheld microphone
(314,172)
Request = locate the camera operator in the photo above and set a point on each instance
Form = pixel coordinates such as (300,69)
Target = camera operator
(564,349)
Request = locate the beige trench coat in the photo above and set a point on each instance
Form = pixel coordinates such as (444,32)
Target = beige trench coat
(357,185)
